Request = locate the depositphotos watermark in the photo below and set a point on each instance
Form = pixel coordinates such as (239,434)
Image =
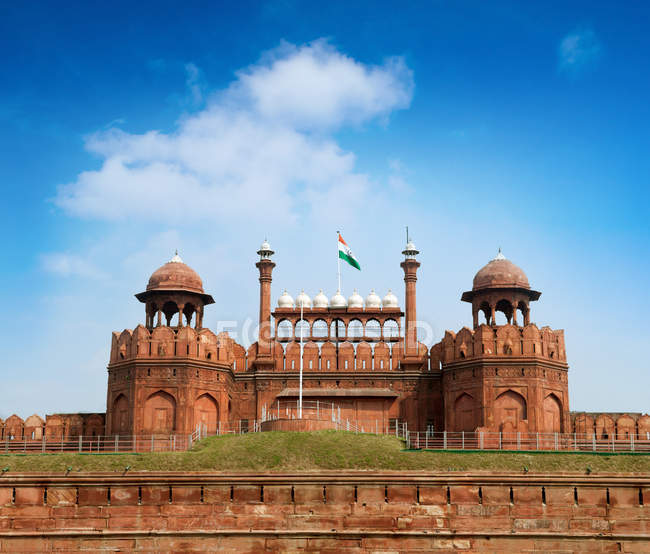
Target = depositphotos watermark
(247,331)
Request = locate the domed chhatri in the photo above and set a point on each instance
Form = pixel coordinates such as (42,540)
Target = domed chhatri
(338,300)
(175,275)
(285,300)
(303,300)
(390,300)
(500,286)
(174,288)
(373,301)
(355,300)
(500,273)
(320,300)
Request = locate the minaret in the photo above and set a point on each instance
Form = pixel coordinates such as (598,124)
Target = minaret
(410,266)
(265,266)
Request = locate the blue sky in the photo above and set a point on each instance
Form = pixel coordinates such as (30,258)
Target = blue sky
(129,130)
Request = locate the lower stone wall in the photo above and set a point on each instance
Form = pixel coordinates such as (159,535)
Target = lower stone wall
(325,512)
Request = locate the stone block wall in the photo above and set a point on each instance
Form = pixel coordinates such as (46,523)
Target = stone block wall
(325,512)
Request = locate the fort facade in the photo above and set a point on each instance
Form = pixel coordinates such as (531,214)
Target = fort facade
(172,374)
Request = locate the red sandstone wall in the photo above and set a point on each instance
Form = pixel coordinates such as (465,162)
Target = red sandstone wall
(354,512)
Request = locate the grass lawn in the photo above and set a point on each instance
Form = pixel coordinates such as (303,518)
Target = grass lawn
(326,450)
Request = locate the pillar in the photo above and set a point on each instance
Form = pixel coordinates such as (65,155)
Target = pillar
(181,307)
(264,358)
(410,266)
(265,267)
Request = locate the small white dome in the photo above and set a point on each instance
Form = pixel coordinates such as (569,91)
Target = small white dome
(338,300)
(265,245)
(356,300)
(390,300)
(373,300)
(285,300)
(320,300)
(303,300)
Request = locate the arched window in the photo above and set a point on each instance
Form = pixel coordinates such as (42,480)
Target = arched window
(319,329)
(337,329)
(302,329)
(391,329)
(285,329)
(355,329)
(373,329)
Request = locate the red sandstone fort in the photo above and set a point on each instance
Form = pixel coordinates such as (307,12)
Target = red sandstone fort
(171,374)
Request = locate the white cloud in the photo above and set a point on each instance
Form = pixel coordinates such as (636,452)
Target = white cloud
(258,149)
(578,50)
(70,265)
(316,86)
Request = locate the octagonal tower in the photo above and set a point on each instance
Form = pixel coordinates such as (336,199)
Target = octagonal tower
(503,378)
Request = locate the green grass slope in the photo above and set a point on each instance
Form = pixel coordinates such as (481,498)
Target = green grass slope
(322,450)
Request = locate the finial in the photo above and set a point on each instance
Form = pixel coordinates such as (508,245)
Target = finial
(410,251)
(176,259)
(500,255)
(265,251)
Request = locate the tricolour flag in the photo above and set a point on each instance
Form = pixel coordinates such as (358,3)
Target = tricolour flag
(346,254)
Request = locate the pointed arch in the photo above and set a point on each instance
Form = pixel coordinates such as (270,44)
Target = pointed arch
(206,413)
(120,415)
(510,408)
(464,412)
(552,414)
(160,413)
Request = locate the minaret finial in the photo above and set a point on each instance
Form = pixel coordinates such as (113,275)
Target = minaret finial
(500,255)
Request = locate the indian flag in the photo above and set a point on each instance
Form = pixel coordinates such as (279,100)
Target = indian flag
(346,254)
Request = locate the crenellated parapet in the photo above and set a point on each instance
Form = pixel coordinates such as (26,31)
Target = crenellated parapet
(53,427)
(611,425)
(502,340)
(186,342)
(358,356)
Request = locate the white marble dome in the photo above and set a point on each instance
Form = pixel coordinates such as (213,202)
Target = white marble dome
(373,300)
(303,300)
(338,300)
(285,300)
(320,300)
(356,300)
(390,300)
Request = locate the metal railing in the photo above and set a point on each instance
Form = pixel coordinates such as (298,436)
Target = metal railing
(567,442)
(102,444)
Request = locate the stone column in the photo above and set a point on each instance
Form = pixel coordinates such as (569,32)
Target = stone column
(410,267)
(265,267)
(181,307)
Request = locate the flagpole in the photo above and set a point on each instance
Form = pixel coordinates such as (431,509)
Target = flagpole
(302,303)
(338,258)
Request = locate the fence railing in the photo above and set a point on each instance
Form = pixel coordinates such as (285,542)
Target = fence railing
(442,440)
(103,444)
(524,441)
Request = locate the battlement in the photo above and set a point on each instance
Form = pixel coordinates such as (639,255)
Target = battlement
(185,342)
(55,426)
(500,340)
